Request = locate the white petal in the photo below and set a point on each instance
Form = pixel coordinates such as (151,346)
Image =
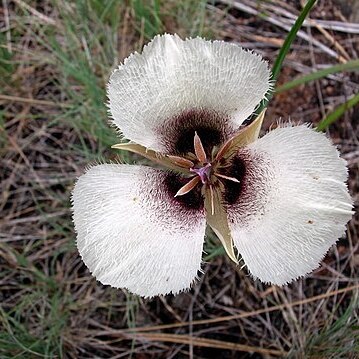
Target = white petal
(293,206)
(174,76)
(132,233)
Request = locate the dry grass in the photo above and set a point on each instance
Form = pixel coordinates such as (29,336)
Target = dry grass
(55,58)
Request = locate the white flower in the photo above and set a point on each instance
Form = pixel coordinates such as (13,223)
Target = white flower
(280,200)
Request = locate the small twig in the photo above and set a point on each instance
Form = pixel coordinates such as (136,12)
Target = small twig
(33,101)
(247,314)
(208,343)
(345,57)
(281,24)
(36,13)
(289,17)
(317,83)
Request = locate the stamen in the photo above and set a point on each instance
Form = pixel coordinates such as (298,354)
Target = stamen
(227,177)
(180,161)
(198,149)
(212,199)
(188,186)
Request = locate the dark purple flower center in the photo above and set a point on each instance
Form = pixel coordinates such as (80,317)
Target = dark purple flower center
(179,139)
(177,133)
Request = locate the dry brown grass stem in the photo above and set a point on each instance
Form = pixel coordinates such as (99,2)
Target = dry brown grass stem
(246,315)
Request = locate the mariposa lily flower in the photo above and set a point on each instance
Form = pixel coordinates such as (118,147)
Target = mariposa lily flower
(280,200)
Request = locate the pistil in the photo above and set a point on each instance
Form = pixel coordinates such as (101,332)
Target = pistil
(203,172)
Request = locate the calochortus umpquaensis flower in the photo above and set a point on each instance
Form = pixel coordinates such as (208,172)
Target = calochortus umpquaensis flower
(278,203)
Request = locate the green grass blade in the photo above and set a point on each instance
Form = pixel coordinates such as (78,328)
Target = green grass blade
(337,113)
(284,50)
(215,252)
(350,65)
(291,36)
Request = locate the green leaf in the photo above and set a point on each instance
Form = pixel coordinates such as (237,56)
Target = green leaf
(337,113)
(350,65)
(285,49)
(290,37)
